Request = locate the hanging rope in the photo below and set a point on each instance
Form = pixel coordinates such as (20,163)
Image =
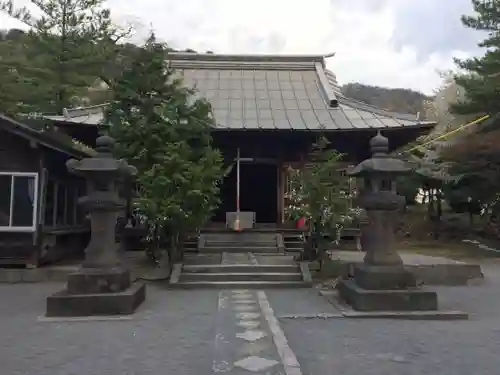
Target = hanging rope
(477,121)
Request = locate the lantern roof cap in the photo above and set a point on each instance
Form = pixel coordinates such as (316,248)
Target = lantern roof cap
(380,162)
(103,162)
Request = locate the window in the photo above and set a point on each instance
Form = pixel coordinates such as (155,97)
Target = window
(18,201)
(61,204)
(386,184)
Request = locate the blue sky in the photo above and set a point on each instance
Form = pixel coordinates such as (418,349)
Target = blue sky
(393,43)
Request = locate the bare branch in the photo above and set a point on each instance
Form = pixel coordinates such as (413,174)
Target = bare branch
(20,14)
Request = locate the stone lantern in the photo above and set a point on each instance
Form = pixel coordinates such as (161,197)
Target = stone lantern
(103,284)
(381,282)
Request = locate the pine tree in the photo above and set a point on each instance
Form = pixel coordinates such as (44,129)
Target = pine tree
(472,158)
(164,131)
(67,49)
(13,86)
(482,78)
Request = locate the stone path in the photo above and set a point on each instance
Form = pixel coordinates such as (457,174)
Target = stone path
(248,336)
(245,336)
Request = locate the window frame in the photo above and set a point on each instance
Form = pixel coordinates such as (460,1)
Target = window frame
(33,227)
(57,183)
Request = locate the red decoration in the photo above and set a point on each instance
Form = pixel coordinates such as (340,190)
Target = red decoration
(301,223)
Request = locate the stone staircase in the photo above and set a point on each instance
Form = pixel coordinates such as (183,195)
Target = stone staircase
(244,242)
(293,241)
(250,260)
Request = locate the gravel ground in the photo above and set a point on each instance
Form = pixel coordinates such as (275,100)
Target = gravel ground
(389,347)
(170,334)
(173,333)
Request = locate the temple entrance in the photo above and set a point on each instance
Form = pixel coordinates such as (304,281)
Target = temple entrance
(258,192)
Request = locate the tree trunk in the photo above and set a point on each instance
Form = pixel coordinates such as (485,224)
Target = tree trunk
(439,213)
(61,89)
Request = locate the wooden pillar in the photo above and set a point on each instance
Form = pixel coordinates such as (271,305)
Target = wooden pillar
(280,192)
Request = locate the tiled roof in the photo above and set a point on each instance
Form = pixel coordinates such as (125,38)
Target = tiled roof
(271,93)
(50,139)
(92,115)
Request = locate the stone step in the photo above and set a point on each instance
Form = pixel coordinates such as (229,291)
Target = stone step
(239,243)
(240,276)
(239,284)
(239,237)
(298,245)
(294,237)
(239,249)
(202,258)
(294,249)
(293,243)
(248,268)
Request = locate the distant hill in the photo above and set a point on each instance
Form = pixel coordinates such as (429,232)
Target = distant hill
(395,100)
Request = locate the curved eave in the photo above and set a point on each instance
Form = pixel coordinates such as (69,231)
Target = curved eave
(42,138)
(419,126)
(85,120)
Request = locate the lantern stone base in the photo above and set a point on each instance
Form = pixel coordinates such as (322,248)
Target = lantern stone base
(96,280)
(369,276)
(412,299)
(97,292)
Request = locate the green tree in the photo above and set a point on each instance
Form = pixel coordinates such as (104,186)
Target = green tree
(472,156)
(11,82)
(322,193)
(68,47)
(165,132)
(482,75)
(476,161)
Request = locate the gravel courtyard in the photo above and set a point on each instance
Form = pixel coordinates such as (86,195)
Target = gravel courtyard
(175,332)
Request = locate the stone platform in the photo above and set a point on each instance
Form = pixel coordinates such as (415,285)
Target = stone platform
(428,269)
(95,291)
(64,304)
(348,311)
(410,299)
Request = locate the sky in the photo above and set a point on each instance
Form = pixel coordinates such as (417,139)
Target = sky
(390,43)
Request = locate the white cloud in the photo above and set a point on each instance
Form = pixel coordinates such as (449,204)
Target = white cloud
(361,36)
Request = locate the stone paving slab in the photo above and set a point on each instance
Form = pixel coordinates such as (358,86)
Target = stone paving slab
(408,258)
(430,270)
(346,311)
(59,272)
(45,274)
(275,259)
(243,341)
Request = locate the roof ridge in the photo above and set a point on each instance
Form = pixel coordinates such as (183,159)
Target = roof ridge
(83,110)
(326,86)
(242,65)
(379,111)
(247,57)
